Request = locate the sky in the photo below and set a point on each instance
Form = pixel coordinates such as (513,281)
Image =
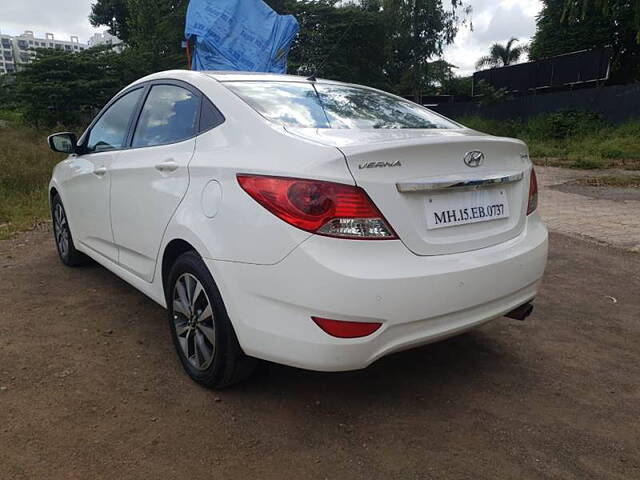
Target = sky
(493,21)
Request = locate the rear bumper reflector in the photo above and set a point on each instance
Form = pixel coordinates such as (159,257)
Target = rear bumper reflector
(341,329)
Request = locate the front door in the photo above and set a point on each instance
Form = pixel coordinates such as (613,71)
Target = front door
(149,180)
(87,190)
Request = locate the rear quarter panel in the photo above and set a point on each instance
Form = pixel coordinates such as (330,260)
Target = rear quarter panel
(216,215)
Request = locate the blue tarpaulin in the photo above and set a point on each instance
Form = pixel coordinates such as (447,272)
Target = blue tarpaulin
(244,35)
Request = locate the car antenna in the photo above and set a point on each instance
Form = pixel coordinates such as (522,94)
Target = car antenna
(312,78)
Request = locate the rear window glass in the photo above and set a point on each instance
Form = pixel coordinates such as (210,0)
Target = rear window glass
(319,105)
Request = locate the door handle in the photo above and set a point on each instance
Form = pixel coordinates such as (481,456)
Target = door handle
(100,171)
(168,166)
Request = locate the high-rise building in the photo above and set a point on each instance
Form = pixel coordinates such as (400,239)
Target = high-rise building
(7,60)
(106,38)
(21,49)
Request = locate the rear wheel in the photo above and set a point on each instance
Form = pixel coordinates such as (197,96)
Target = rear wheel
(62,235)
(200,327)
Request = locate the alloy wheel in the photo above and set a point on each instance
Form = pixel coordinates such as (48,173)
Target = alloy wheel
(61,230)
(193,321)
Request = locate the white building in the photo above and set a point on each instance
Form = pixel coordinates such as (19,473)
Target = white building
(7,59)
(21,49)
(106,38)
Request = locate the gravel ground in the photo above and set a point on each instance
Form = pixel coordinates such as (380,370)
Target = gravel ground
(618,194)
(90,387)
(604,215)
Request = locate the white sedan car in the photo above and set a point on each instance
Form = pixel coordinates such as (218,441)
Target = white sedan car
(306,222)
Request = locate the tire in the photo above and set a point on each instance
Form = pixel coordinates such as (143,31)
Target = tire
(62,235)
(200,327)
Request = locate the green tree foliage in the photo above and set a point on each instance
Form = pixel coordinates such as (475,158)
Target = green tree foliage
(503,55)
(458,86)
(555,37)
(156,31)
(113,14)
(565,27)
(66,88)
(390,44)
(383,43)
(7,92)
(581,9)
(154,27)
(417,32)
(345,43)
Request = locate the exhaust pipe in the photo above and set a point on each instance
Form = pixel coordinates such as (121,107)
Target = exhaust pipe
(521,313)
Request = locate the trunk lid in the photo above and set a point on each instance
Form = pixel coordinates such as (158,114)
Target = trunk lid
(414,177)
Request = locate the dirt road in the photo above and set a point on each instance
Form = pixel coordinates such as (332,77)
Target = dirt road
(90,388)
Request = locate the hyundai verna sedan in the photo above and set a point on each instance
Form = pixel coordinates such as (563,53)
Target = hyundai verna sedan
(306,222)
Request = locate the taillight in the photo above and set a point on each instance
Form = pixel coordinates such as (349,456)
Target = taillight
(325,208)
(340,329)
(533,193)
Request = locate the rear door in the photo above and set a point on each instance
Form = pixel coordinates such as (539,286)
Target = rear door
(150,179)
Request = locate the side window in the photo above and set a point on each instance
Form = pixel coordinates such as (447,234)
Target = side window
(169,115)
(110,131)
(210,117)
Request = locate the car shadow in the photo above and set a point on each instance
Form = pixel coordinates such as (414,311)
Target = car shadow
(435,371)
(438,370)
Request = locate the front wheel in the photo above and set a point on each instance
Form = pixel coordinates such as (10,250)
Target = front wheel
(200,327)
(62,235)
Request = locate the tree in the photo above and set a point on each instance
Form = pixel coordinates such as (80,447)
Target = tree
(384,43)
(155,28)
(576,9)
(502,55)
(113,14)
(61,87)
(345,43)
(156,31)
(564,29)
(458,86)
(417,32)
(554,36)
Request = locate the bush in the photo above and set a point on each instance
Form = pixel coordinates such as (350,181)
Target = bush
(509,128)
(587,163)
(583,139)
(562,125)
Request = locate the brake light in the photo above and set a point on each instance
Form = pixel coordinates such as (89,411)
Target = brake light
(324,208)
(533,193)
(340,329)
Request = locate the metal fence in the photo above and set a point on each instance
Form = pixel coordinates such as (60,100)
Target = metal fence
(549,73)
(616,104)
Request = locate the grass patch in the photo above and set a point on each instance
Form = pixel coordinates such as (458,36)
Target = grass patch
(620,181)
(25,169)
(571,139)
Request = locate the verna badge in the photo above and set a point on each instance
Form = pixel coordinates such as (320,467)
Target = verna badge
(473,159)
(362,166)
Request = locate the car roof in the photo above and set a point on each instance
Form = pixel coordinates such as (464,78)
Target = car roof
(233,76)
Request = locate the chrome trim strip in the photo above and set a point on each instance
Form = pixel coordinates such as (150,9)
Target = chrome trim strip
(449,185)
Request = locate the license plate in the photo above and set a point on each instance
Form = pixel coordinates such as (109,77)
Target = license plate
(462,208)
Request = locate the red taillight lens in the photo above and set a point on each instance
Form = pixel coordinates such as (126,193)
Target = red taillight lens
(341,329)
(533,193)
(325,208)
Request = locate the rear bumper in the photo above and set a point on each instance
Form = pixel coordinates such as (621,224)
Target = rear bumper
(418,299)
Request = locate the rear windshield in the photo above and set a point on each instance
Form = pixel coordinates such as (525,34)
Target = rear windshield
(308,105)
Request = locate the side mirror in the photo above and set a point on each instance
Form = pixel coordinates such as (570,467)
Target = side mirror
(65,142)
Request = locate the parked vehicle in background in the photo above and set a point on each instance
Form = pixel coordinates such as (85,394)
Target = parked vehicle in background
(306,222)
